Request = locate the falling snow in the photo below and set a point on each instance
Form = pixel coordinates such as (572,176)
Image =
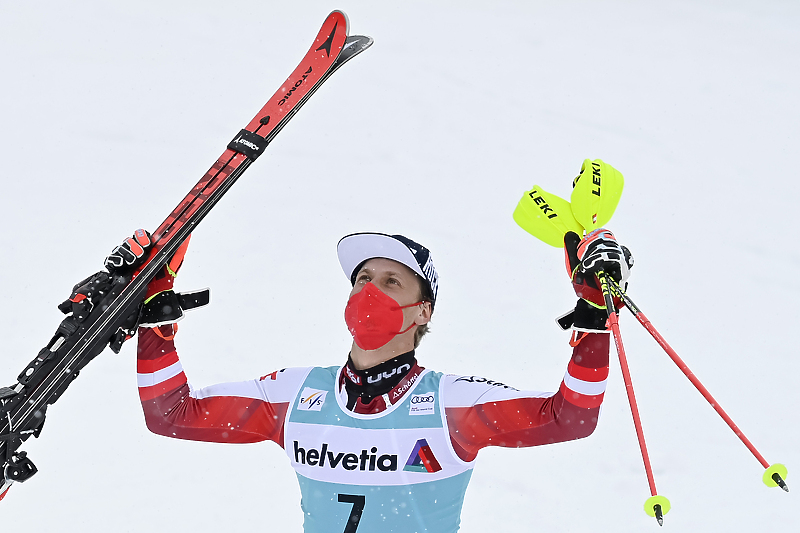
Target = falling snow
(113,112)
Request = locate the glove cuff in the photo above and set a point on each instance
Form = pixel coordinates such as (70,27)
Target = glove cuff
(585,317)
(168,306)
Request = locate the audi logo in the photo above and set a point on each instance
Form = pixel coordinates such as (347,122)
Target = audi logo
(422,399)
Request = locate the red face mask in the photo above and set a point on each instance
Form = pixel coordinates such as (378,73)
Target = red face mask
(374,318)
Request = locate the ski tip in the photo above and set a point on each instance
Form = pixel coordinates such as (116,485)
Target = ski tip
(353,45)
(775,476)
(360,42)
(340,16)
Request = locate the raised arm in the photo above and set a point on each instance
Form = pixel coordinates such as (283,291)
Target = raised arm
(484,413)
(246,411)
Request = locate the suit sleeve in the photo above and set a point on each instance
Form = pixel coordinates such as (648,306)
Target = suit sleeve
(483,413)
(240,412)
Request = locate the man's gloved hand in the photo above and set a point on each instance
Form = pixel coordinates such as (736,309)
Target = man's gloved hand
(161,304)
(124,260)
(598,251)
(131,254)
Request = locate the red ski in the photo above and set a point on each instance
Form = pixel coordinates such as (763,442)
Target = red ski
(331,49)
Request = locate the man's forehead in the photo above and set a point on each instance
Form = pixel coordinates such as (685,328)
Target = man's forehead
(389,266)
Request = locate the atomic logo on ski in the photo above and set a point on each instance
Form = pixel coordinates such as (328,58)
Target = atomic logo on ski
(329,41)
(422,459)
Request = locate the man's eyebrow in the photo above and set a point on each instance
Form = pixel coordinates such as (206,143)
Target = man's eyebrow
(387,272)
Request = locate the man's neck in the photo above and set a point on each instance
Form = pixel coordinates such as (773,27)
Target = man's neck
(364,359)
(371,384)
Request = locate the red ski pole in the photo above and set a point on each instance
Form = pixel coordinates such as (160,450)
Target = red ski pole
(775,474)
(656,506)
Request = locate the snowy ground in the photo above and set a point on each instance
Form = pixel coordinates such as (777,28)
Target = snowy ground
(112,111)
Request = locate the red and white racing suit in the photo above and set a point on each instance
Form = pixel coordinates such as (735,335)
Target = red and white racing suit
(479,412)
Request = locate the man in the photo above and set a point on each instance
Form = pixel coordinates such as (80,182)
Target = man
(380,443)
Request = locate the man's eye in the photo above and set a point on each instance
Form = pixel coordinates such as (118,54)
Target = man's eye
(393,281)
(363,277)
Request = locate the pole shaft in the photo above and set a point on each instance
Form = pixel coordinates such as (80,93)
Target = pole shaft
(626,376)
(644,321)
(613,321)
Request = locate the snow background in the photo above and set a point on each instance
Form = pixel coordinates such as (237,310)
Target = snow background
(111,111)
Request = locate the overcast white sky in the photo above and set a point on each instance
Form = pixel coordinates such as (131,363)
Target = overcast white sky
(111,111)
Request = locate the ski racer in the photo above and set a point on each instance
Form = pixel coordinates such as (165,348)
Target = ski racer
(379,443)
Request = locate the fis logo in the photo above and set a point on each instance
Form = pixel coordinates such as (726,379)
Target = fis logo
(422,459)
(311,399)
(422,404)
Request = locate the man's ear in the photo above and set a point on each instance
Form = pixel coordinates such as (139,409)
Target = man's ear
(424,315)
